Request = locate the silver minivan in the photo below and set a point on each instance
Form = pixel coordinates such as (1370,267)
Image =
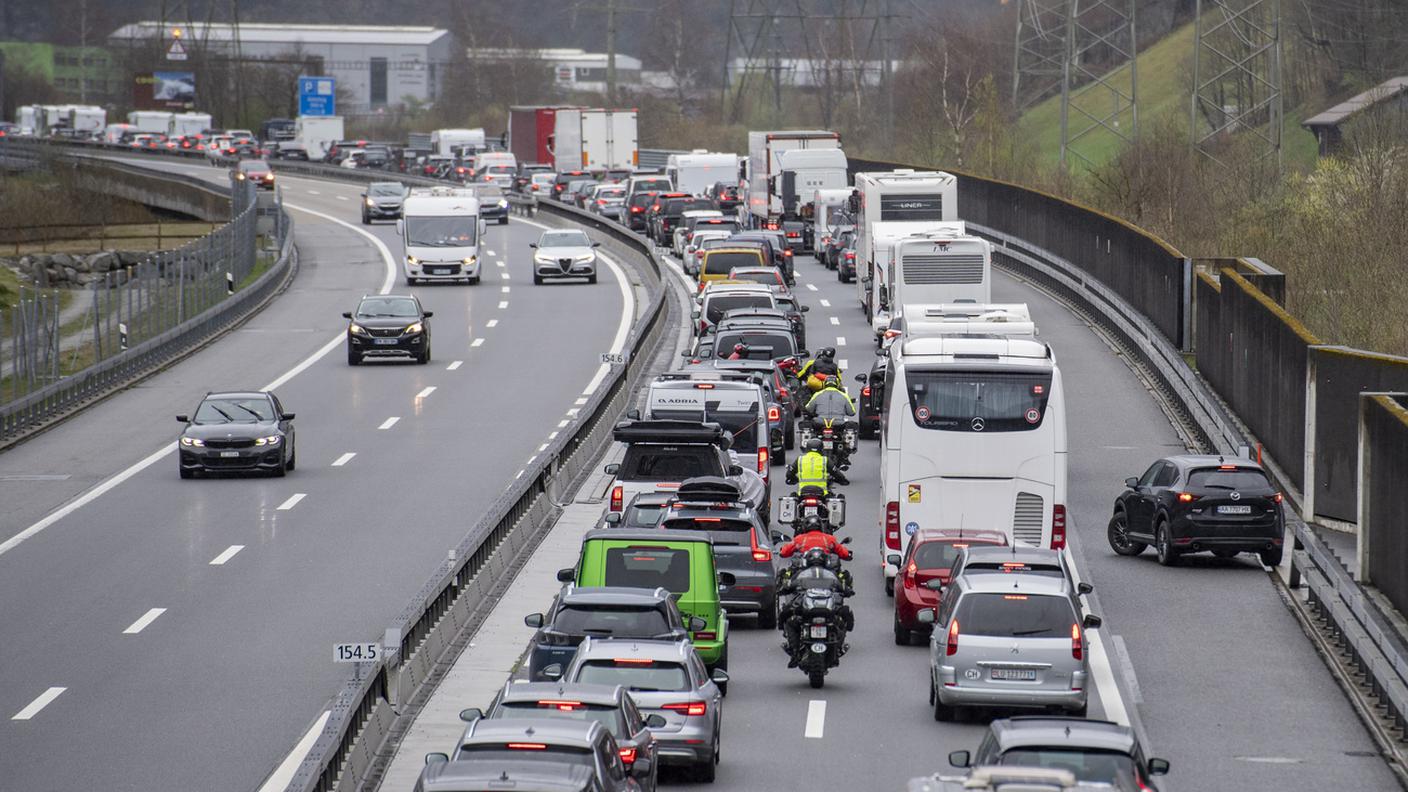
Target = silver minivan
(1003,640)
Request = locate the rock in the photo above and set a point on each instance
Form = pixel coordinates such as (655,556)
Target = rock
(61,260)
(51,275)
(102,262)
(130,257)
(26,264)
(84,279)
(70,274)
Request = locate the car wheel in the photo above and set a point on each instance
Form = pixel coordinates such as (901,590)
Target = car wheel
(591,278)
(366,220)
(890,586)
(789,439)
(1080,711)
(901,634)
(1271,556)
(840,277)
(292,458)
(537,279)
(1118,535)
(942,712)
(282,469)
(353,359)
(424,357)
(410,281)
(1163,544)
(187,473)
(708,770)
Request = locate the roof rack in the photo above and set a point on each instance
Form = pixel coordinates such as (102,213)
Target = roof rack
(708,489)
(680,432)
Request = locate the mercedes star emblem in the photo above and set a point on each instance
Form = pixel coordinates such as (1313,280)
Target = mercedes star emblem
(979,424)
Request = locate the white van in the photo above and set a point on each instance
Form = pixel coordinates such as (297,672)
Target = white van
(699,170)
(974,438)
(440,230)
(938,266)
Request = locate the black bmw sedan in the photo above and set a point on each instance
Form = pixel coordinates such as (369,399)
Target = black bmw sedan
(237,431)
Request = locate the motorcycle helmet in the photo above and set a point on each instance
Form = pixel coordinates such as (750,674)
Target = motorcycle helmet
(826,352)
(816,557)
(811,524)
(813,444)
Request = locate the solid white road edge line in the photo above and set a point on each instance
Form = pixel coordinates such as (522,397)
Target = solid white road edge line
(389,422)
(283,774)
(816,719)
(146,619)
(292,501)
(226,556)
(344,459)
(1103,675)
(38,704)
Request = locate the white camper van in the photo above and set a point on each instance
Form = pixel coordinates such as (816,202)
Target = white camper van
(441,229)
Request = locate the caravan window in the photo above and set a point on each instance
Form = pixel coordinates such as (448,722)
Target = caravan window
(977,401)
(449,231)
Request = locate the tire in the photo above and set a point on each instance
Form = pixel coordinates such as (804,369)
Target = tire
(186,474)
(817,679)
(424,357)
(1271,556)
(353,359)
(889,586)
(281,470)
(1117,534)
(366,220)
(942,712)
(503,221)
(1163,544)
(410,281)
(292,459)
(901,634)
(537,279)
(1080,711)
(709,769)
(592,278)
(767,617)
(473,281)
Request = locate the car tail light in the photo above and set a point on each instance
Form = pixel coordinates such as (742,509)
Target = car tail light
(618,494)
(527,747)
(1058,526)
(952,647)
(1186,497)
(706,635)
(763,461)
(601,202)
(628,756)
(892,525)
(635,210)
(909,571)
(1278,497)
(558,704)
(787,254)
(690,708)
(775,414)
(771,226)
(1077,649)
(793,235)
(865,391)
(759,553)
(850,255)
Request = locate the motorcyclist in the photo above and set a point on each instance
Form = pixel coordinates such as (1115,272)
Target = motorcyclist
(814,536)
(815,574)
(831,400)
(812,470)
(823,363)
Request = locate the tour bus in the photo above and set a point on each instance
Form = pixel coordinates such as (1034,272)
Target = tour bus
(899,196)
(941,265)
(875,296)
(441,229)
(974,438)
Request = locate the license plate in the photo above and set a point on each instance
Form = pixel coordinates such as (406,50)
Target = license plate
(1014,674)
(385,341)
(1241,508)
(819,631)
(826,445)
(810,511)
(228,454)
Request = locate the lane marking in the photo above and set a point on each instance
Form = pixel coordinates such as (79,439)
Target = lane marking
(292,501)
(426,392)
(503,303)
(504,275)
(573,412)
(542,448)
(344,459)
(580,401)
(492,253)
(825,303)
(226,556)
(816,719)
(141,624)
(341,197)
(314,192)
(492,323)
(840,340)
(843,363)
(38,704)
(505,290)
(563,423)
(810,286)
(456,364)
(835,321)
(283,774)
(552,435)
(501,263)
(1111,700)
(389,422)
(1127,668)
(477,342)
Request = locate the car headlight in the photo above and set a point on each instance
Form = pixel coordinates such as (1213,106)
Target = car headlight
(268,441)
(371,203)
(415,327)
(544,259)
(412,260)
(192,441)
(356,329)
(503,203)
(586,258)
(469,260)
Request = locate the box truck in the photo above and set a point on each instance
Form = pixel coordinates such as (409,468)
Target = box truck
(783,166)
(316,134)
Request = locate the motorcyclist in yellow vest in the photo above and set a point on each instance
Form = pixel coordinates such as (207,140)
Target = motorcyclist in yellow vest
(812,470)
(823,364)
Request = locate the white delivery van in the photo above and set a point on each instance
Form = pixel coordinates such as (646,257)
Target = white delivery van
(441,229)
(445,141)
(699,170)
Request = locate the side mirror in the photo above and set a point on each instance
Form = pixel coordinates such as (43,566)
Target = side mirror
(959,758)
(184,418)
(804,308)
(633,414)
(1091,621)
(596,244)
(428,314)
(846,540)
(533,245)
(642,767)
(862,377)
(472,714)
(697,623)
(719,676)
(364,195)
(934,584)
(1131,482)
(1084,588)
(566,575)
(400,228)
(893,558)
(694,314)
(1158,767)
(288,416)
(804,353)
(553,672)
(436,758)
(735,470)
(534,620)
(612,518)
(727,579)
(777,537)
(654,722)
(346,314)
(926,616)
(612,469)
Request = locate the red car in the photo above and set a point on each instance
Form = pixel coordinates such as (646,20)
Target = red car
(929,556)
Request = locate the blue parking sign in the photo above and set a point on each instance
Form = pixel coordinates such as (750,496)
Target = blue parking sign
(317,96)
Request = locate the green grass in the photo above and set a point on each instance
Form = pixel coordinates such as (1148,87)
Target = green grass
(9,287)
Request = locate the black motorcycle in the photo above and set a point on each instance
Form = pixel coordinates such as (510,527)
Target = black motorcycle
(817,622)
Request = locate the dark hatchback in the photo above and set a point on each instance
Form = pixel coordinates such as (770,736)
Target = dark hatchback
(606,612)
(388,326)
(637,204)
(1191,503)
(742,546)
(672,213)
(237,431)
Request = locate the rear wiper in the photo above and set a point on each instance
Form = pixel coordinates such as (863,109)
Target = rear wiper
(598,631)
(1218,486)
(1030,632)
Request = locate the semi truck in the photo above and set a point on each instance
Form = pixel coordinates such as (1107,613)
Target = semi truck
(594,140)
(316,134)
(783,167)
(530,132)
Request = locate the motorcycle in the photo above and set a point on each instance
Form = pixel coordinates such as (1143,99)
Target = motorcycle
(794,510)
(816,624)
(839,438)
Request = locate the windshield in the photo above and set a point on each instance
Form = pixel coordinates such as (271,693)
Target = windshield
(648,676)
(386,189)
(442,232)
(234,410)
(1015,615)
(977,401)
(623,622)
(761,346)
(388,306)
(607,716)
(564,239)
(1088,765)
(1213,478)
(653,567)
(721,262)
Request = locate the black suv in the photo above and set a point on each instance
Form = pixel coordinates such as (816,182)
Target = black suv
(388,325)
(237,431)
(871,403)
(725,196)
(671,212)
(1191,503)
(603,611)
(1093,750)
(637,206)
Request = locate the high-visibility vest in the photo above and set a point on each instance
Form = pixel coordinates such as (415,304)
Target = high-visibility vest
(811,471)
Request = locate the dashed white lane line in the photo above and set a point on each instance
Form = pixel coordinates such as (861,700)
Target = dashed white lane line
(292,501)
(504,275)
(501,263)
(492,323)
(505,290)
(835,321)
(477,342)
(825,303)
(146,619)
(33,708)
(552,435)
(840,340)
(454,365)
(389,422)
(573,412)
(226,555)
(503,304)
(344,459)
(492,253)
(425,392)
(816,719)
(542,448)
(811,286)
(843,363)
(563,423)
(341,197)
(283,774)
(314,192)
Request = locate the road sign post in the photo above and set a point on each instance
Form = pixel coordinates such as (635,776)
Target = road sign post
(317,96)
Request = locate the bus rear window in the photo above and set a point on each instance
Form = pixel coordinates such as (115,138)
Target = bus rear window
(977,401)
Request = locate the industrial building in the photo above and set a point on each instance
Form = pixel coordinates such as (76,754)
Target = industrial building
(572,70)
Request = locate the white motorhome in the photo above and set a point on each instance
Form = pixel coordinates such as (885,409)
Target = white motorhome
(699,170)
(189,124)
(898,196)
(941,265)
(87,119)
(974,438)
(441,229)
(153,121)
(316,134)
(27,118)
(826,204)
(444,141)
(875,296)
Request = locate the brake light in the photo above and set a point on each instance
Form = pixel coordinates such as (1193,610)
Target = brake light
(793,235)
(706,635)
(1186,497)
(775,414)
(892,525)
(601,202)
(851,256)
(865,391)
(565,706)
(635,210)
(704,385)
(690,708)
(909,575)
(787,254)
(952,647)
(628,756)
(759,553)
(632,660)
(811,501)
(763,461)
(783,393)
(1077,649)
(1277,497)
(618,495)
(527,747)
(1058,526)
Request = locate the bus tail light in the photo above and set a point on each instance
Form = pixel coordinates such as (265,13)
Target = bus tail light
(1058,526)
(892,525)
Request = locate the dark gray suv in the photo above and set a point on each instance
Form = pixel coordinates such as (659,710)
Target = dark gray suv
(1093,750)
(605,612)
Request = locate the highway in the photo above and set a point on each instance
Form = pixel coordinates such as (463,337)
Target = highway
(172,634)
